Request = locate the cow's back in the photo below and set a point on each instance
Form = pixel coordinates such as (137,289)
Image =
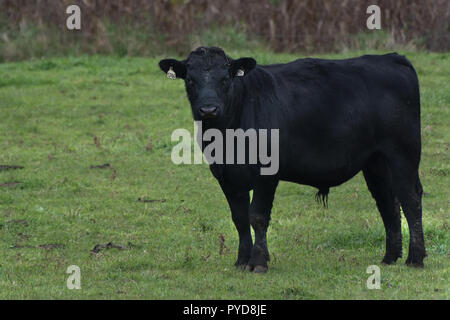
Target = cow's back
(333,114)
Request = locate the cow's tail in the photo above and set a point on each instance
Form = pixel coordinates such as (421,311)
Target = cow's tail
(322,196)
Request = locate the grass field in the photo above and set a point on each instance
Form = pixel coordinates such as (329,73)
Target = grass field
(59,117)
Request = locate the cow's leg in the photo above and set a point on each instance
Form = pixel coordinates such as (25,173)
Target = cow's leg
(379,181)
(239,202)
(260,209)
(408,189)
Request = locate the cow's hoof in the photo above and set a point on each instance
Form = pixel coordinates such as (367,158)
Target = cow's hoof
(416,264)
(415,259)
(389,260)
(257,268)
(260,269)
(241,267)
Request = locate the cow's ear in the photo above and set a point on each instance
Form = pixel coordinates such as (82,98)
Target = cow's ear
(242,66)
(173,68)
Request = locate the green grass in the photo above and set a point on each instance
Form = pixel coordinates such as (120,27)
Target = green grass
(60,116)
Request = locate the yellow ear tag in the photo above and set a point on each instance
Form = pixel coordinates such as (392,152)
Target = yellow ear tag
(171,74)
(240,73)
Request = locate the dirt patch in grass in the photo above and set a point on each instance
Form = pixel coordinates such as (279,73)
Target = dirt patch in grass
(4,167)
(110,245)
(223,249)
(151,200)
(102,166)
(23,222)
(11,184)
(41,246)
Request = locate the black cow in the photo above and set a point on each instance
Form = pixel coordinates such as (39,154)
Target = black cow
(335,118)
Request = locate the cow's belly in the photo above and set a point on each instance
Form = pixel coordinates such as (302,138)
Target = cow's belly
(323,168)
(319,179)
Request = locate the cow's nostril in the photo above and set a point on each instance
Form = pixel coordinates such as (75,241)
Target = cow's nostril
(208,111)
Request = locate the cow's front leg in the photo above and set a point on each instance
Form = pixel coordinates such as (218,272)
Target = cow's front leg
(239,202)
(260,209)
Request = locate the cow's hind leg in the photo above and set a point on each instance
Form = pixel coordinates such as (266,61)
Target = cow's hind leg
(379,181)
(408,189)
(260,209)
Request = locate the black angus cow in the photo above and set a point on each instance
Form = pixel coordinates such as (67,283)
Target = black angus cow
(335,118)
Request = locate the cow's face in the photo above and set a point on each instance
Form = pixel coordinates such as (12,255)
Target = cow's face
(208,74)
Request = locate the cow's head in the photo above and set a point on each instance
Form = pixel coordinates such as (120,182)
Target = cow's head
(208,74)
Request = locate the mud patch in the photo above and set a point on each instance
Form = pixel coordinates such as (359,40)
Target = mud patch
(102,166)
(23,222)
(110,245)
(151,200)
(97,142)
(4,167)
(106,166)
(223,249)
(11,184)
(41,246)
(149,145)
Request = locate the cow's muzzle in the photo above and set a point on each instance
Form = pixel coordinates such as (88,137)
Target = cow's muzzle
(209,112)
